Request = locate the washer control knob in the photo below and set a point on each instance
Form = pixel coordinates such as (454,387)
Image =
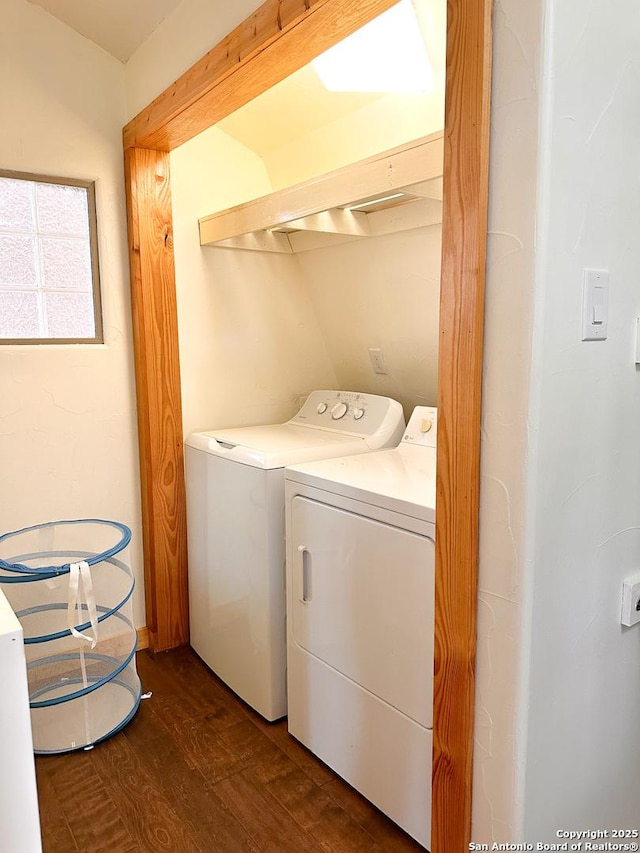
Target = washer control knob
(357,414)
(425,425)
(322,408)
(339,411)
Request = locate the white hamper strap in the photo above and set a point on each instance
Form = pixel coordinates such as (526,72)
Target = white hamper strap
(45,545)
(74,610)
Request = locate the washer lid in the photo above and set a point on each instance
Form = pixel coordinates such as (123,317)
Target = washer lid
(275,445)
(402,479)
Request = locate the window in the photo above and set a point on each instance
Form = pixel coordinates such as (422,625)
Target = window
(49,281)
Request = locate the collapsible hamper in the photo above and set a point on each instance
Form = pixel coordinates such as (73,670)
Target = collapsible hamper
(71,590)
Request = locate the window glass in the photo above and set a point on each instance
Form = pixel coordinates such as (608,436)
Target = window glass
(49,281)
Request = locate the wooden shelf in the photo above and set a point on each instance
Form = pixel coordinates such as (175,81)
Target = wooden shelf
(393,191)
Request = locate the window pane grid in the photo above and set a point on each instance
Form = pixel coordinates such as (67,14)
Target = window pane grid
(47,249)
(43,330)
(53,235)
(42,310)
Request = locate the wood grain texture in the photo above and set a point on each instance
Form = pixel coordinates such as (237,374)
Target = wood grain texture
(143,638)
(155,337)
(144,790)
(58,793)
(279,38)
(459,387)
(59,837)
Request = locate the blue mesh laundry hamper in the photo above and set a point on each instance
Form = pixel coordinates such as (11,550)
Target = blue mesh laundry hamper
(71,590)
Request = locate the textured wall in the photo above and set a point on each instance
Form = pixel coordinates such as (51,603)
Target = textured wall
(558,677)
(382,292)
(503,570)
(250,344)
(68,439)
(584,692)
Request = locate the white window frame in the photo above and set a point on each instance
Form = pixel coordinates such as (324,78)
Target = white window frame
(98,338)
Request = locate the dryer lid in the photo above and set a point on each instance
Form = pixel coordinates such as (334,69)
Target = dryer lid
(401,479)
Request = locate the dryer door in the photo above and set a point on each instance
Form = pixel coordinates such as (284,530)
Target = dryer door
(363,603)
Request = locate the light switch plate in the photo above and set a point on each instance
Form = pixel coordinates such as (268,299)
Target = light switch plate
(595,304)
(630,601)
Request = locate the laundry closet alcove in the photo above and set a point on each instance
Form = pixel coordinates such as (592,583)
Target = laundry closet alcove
(273,42)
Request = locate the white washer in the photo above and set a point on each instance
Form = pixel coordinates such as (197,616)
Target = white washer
(360,617)
(235,532)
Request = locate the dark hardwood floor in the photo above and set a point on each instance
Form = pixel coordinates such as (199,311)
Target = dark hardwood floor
(198,770)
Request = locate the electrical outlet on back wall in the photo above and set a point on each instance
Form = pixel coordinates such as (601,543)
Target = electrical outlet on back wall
(378,360)
(631,601)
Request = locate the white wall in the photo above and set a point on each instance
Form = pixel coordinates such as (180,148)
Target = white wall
(503,568)
(250,344)
(381,292)
(68,437)
(584,693)
(388,122)
(557,735)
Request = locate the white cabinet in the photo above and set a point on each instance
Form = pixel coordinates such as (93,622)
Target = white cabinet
(19,817)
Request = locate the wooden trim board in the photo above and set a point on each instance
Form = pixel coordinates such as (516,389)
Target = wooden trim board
(256,55)
(465,198)
(155,337)
(143,639)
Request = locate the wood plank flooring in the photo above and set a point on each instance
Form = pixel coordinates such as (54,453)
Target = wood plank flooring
(197,771)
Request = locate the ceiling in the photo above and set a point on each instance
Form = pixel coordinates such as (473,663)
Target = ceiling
(118,26)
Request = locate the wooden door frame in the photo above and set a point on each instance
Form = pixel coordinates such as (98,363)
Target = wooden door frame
(277,39)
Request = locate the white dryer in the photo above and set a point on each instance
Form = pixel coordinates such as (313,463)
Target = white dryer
(235,532)
(360,619)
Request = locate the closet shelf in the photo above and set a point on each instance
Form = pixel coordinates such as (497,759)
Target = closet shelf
(394,191)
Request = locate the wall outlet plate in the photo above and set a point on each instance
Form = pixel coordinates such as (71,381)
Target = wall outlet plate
(631,601)
(378,360)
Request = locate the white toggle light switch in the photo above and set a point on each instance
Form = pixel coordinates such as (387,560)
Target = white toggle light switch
(595,305)
(598,306)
